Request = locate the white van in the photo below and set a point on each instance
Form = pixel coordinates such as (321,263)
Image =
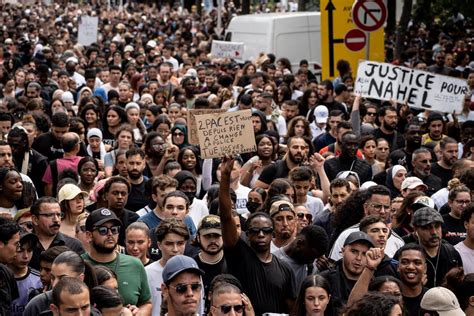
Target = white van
(295,35)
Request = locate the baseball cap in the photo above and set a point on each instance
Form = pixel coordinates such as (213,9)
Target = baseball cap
(321,114)
(413,182)
(441,300)
(128,48)
(280,206)
(210,224)
(69,191)
(177,265)
(359,236)
(422,201)
(72,59)
(8,41)
(21,213)
(426,215)
(99,217)
(151,43)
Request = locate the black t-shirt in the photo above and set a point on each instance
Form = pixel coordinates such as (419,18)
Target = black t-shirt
(395,140)
(444,174)
(268,285)
(210,272)
(137,198)
(47,145)
(8,289)
(322,141)
(279,169)
(108,138)
(411,305)
(453,230)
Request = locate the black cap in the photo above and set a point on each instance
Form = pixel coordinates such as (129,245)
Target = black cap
(358,237)
(99,217)
(26,236)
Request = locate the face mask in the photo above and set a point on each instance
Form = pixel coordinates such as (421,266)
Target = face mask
(191,196)
(253,206)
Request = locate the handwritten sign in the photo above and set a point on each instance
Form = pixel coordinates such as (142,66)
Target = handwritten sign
(222,49)
(88,29)
(191,122)
(227,133)
(419,89)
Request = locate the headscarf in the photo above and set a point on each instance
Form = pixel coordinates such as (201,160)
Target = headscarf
(391,172)
(183,129)
(95,132)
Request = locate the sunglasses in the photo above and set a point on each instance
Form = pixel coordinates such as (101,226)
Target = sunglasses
(183,288)
(103,230)
(27,225)
(256,231)
(371,113)
(178,134)
(225,309)
(308,216)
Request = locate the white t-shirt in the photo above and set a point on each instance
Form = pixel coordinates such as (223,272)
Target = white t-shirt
(242,193)
(197,211)
(172,61)
(394,243)
(155,279)
(467,256)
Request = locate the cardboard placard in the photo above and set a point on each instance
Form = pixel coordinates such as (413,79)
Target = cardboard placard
(229,133)
(222,49)
(88,26)
(419,89)
(191,122)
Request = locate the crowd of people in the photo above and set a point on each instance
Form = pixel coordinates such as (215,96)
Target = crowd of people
(349,206)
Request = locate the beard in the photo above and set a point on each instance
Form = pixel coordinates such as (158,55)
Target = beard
(390,127)
(295,159)
(211,252)
(134,174)
(100,248)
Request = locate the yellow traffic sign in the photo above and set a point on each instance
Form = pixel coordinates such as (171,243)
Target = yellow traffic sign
(336,22)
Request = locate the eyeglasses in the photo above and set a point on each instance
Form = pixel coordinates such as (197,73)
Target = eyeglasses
(104,230)
(50,215)
(425,161)
(178,134)
(27,225)
(378,206)
(183,288)
(225,309)
(256,230)
(462,202)
(308,216)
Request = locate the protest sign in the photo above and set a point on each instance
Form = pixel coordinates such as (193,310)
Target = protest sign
(221,49)
(87,33)
(227,133)
(419,89)
(191,122)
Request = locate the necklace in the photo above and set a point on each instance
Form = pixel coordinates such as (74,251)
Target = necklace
(221,255)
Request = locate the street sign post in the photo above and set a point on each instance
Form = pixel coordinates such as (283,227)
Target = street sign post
(337,43)
(355,40)
(369,16)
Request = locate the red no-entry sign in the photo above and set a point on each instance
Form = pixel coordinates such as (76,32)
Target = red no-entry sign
(369,15)
(355,40)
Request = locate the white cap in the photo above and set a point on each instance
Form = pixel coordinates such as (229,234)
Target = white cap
(67,97)
(321,114)
(441,300)
(128,48)
(72,59)
(151,43)
(412,183)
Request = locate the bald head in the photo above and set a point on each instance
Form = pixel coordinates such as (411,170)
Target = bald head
(70,142)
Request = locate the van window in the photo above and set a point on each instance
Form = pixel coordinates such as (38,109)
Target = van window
(228,37)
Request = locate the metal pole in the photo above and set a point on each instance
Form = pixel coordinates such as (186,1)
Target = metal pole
(367,48)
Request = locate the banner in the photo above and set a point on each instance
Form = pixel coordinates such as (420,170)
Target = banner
(229,133)
(87,32)
(191,122)
(221,49)
(419,89)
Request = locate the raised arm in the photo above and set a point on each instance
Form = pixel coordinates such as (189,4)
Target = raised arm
(317,163)
(229,229)
(374,257)
(355,115)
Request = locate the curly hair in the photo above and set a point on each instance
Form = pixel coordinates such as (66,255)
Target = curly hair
(374,304)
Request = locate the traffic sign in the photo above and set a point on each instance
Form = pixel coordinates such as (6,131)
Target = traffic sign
(369,15)
(355,40)
(336,22)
